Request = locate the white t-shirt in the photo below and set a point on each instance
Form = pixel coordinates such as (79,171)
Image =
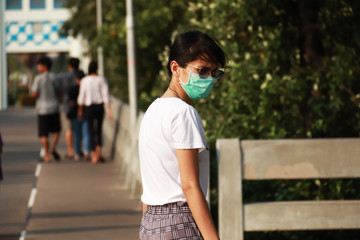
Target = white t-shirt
(169,124)
(93,90)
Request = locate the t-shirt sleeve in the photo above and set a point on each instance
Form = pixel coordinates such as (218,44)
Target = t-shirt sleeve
(187,130)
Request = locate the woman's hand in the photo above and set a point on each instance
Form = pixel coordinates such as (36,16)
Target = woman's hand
(144,207)
(108,111)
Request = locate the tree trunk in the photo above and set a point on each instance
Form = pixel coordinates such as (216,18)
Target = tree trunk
(311,45)
(312,52)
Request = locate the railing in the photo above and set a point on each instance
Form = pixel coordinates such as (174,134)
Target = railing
(284,159)
(121,144)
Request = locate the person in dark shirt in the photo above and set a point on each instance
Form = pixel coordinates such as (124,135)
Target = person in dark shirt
(67,81)
(79,126)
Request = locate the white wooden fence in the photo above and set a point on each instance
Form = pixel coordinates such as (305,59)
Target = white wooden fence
(255,160)
(284,159)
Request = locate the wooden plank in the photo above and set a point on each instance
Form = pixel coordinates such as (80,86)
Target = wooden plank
(230,188)
(298,159)
(303,215)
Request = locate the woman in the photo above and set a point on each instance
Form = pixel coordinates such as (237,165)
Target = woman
(174,157)
(93,94)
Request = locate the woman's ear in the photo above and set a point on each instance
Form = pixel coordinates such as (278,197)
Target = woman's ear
(174,67)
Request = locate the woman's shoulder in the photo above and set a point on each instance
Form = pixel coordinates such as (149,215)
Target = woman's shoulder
(174,107)
(88,77)
(174,104)
(87,80)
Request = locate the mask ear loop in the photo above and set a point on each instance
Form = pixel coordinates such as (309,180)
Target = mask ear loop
(180,78)
(189,76)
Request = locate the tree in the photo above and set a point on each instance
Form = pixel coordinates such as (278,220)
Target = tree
(155,21)
(294,73)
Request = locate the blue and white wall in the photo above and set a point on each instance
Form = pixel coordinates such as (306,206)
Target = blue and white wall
(33,26)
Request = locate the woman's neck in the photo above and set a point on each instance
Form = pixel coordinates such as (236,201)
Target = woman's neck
(175,90)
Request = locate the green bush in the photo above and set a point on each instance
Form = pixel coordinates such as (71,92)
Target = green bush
(281,84)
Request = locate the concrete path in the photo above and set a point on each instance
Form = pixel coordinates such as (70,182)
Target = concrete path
(74,200)
(19,159)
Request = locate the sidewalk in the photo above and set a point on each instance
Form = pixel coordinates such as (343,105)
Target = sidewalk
(74,200)
(19,159)
(78,200)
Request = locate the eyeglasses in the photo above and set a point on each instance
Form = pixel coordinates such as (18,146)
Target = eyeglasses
(205,72)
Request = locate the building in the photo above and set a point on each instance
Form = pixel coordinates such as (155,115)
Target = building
(32,29)
(32,26)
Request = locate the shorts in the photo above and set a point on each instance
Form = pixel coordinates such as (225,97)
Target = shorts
(49,123)
(65,122)
(169,221)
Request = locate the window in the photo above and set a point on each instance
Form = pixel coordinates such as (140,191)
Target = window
(59,3)
(37,4)
(13,4)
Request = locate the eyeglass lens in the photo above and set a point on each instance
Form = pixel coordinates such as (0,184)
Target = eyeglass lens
(207,72)
(204,72)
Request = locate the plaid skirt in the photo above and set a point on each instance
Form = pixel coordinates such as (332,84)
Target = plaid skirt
(170,221)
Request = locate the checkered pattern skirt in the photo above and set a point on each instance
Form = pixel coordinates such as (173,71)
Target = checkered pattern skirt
(170,221)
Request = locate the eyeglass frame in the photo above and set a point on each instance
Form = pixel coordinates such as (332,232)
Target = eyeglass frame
(213,72)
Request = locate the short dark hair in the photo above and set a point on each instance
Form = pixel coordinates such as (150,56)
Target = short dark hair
(92,67)
(79,74)
(45,61)
(192,45)
(74,63)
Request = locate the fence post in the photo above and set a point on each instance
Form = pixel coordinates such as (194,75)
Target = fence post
(230,189)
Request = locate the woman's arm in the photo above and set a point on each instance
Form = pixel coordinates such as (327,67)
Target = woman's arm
(144,207)
(104,90)
(189,174)
(108,110)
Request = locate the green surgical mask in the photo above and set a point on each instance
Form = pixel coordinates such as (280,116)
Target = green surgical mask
(198,86)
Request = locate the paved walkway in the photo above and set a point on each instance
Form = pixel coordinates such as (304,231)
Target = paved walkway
(19,161)
(74,200)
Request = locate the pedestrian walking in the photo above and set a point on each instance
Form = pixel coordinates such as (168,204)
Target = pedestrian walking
(46,90)
(94,93)
(174,156)
(79,126)
(67,81)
